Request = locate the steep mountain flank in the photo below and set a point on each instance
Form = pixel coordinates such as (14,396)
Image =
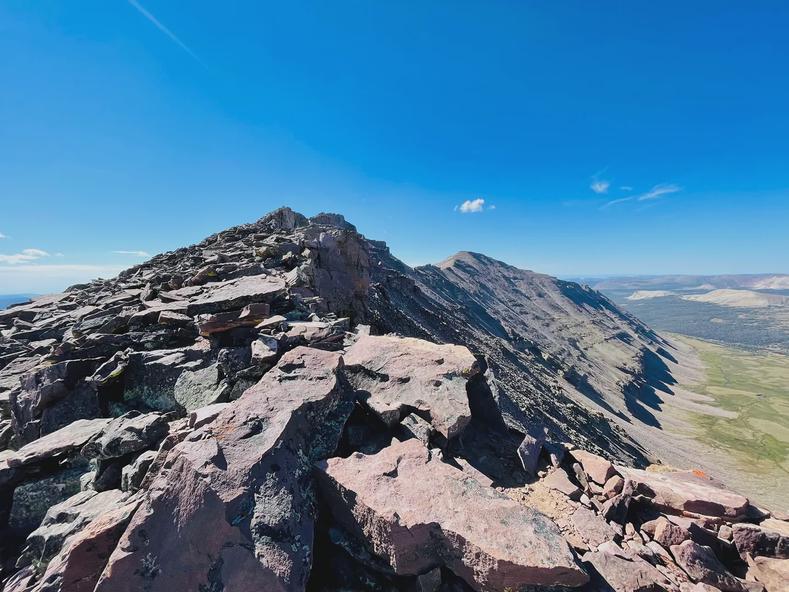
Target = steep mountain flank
(563,352)
(286,406)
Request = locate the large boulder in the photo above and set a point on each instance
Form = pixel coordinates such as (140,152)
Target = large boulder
(83,555)
(773,573)
(127,434)
(758,540)
(417,513)
(626,572)
(232,505)
(237,293)
(398,375)
(685,491)
(58,444)
(64,520)
(51,387)
(702,565)
(596,467)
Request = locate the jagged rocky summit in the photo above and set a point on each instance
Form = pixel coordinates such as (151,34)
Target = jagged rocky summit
(286,406)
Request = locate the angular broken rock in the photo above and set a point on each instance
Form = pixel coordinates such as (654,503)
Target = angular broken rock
(596,467)
(64,520)
(231,507)
(127,434)
(559,481)
(237,293)
(401,373)
(669,534)
(759,541)
(701,564)
(79,564)
(626,572)
(594,530)
(773,573)
(249,316)
(59,443)
(418,513)
(684,491)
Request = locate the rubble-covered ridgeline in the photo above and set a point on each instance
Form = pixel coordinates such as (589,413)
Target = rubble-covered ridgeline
(285,406)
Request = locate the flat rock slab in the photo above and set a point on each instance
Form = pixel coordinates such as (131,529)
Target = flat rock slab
(236,294)
(58,443)
(402,373)
(417,513)
(231,508)
(683,491)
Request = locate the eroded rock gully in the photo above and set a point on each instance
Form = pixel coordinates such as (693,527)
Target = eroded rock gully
(285,406)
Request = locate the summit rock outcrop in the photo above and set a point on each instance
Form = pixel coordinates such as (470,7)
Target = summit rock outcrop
(286,406)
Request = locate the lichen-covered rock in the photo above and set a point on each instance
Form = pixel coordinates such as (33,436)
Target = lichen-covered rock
(417,512)
(232,505)
(127,434)
(64,520)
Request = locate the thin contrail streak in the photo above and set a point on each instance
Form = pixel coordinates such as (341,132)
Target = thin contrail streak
(156,23)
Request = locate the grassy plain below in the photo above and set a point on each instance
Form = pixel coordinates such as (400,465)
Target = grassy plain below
(750,391)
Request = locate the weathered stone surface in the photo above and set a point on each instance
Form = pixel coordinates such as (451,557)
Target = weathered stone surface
(232,505)
(596,467)
(701,564)
(77,567)
(592,528)
(625,571)
(249,316)
(404,373)
(150,377)
(684,491)
(43,388)
(133,473)
(613,486)
(127,434)
(772,573)
(198,388)
(757,540)
(237,293)
(32,499)
(418,428)
(64,520)
(59,443)
(529,451)
(205,415)
(668,534)
(559,481)
(418,513)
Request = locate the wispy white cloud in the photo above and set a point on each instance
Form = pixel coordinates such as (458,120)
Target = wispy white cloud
(626,188)
(659,191)
(600,186)
(2,236)
(656,192)
(613,202)
(134,253)
(25,256)
(159,25)
(471,206)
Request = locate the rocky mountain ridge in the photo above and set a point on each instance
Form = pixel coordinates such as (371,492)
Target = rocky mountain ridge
(286,406)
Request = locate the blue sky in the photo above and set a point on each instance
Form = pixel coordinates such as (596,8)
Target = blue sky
(614,138)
